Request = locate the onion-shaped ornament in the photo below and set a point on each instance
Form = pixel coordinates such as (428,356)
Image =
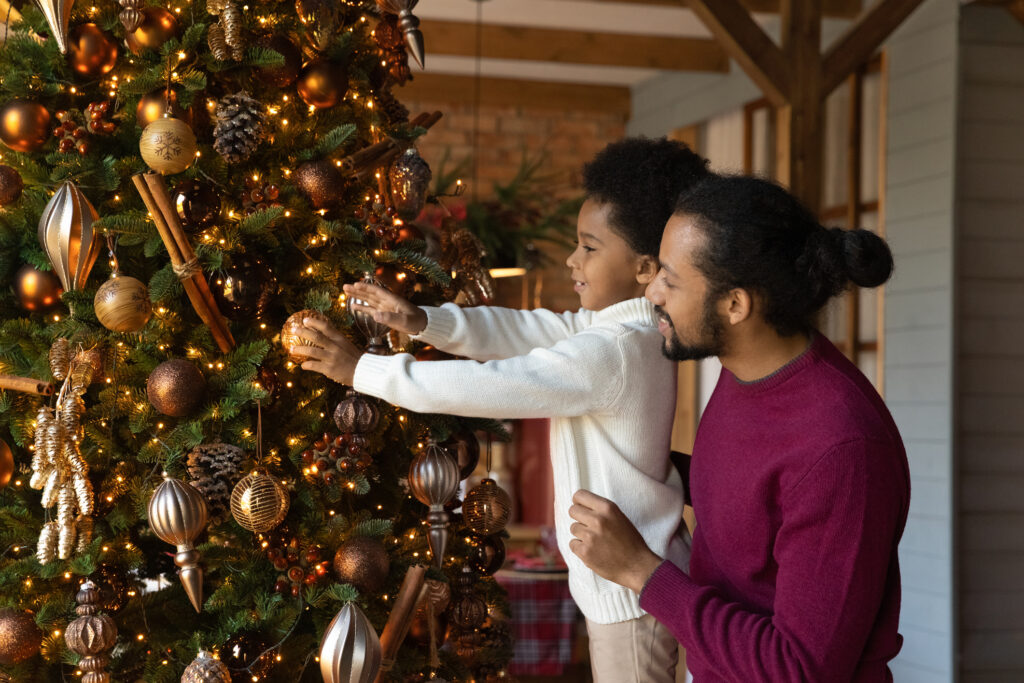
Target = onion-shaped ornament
(206,669)
(356,413)
(177,515)
(350,651)
(409,178)
(91,635)
(487,508)
(258,502)
(434,480)
(67,236)
(375,332)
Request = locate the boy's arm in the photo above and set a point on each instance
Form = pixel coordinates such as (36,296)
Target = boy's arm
(574,377)
(490,332)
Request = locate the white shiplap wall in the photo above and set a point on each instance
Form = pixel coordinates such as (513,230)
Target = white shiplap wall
(990,357)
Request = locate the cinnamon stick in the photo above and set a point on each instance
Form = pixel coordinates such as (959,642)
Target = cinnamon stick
(401,617)
(25,385)
(382,153)
(177,261)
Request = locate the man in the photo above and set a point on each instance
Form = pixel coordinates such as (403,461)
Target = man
(799,478)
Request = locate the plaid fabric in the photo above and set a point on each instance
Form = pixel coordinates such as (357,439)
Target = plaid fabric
(543,619)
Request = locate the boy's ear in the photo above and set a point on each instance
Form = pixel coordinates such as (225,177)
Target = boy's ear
(646,270)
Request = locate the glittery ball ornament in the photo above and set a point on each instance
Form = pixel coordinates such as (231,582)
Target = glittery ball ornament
(356,413)
(294,333)
(11,185)
(176,387)
(206,669)
(258,502)
(363,562)
(486,508)
(321,182)
(20,638)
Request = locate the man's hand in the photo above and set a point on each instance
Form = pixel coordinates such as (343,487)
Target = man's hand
(387,308)
(334,356)
(608,543)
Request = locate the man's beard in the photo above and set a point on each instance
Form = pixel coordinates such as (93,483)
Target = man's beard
(711,331)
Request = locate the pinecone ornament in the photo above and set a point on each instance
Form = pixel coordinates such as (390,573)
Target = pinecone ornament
(241,126)
(214,469)
(394,111)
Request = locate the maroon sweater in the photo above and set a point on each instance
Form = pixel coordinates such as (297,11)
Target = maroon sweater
(800,485)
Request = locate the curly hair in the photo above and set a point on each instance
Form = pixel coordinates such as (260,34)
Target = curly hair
(641,178)
(760,238)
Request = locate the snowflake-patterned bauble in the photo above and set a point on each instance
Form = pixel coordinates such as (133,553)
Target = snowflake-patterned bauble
(168,145)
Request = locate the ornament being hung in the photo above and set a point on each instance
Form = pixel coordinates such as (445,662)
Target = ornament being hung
(37,290)
(294,333)
(363,562)
(242,125)
(93,53)
(350,650)
(244,289)
(375,332)
(177,515)
(168,145)
(409,25)
(322,84)
(20,638)
(67,236)
(11,185)
(130,15)
(91,635)
(158,25)
(409,177)
(24,125)
(206,669)
(58,14)
(434,480)
(176,387)
(487,508)
(321,182)
(258,502)
(6,463)
(214,469)
(122,303)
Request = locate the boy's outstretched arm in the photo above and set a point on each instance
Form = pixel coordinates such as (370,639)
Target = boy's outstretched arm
(387,308)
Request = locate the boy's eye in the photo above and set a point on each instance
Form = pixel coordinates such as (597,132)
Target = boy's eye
(588,249)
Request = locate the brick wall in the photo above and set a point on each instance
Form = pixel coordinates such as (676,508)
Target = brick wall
(568,138)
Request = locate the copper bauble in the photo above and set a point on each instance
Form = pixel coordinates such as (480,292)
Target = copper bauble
(122,304)
(176,387)
(356,413)
(468,611)
(168,145)
(259,502)
(92,52)
(20,638)
(284,75)
(363,562)
(465,448)
(294,333)
(153,105)
(322,84)
(24,125)
(37,290)
(197,204)
(206,669)
(67,234)
(158,26)
(11,185)
(6,463)
(409,178)
(486,508)
(321,182)
(350,650)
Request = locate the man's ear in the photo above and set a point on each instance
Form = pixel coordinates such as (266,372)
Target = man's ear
(738,305)
(646,269)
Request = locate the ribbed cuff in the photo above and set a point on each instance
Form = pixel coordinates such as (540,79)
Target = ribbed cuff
(440,325)
(667,591)
(371,370)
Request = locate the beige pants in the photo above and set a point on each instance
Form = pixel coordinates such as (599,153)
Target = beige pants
(635,651)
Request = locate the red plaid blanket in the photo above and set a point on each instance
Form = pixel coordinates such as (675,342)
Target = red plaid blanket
(543,619)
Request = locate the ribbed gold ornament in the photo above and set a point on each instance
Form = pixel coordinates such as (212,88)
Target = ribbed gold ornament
(177,514)
(350,651)
(67,236)
(206,669)
(434,480)
(258,502)
(487,508)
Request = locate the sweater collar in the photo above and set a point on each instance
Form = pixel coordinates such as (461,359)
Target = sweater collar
(638,310)
(815,350)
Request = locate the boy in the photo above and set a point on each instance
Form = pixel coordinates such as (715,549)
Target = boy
(596,373)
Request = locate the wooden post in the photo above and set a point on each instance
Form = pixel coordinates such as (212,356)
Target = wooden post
(853,202)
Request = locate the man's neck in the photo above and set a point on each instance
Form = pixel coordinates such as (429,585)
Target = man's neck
(751,357)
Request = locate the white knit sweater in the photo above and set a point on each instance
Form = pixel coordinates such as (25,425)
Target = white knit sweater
(600,377)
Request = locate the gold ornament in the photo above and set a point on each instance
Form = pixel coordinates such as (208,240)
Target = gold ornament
(363,562)
(168,145)
(131,16)
(66,234)
(409,24)
(294,333)
(206,669)
(37,290)
(88,366)
(6,463)
(154,105)
(60,358)
(122,304)
(350,651)
(157,27)
(58,14)
(322,84)
(11,185)
(258,502)
(93,53)
(177,514)
(486,508)
(20,638)
(225,37)
(24,125)
(46,547)
(176,387)
(91,635)
(434,480)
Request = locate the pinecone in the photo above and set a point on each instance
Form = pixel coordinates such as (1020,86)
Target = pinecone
(241,126)
(215,468)
(393,110)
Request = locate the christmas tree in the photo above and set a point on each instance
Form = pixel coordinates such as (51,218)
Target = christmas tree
(181,185)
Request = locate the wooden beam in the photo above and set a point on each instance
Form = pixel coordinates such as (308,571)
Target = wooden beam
(510,92)
(859,43)
(840,9)
(748,44)
(575,47)
(1016,8)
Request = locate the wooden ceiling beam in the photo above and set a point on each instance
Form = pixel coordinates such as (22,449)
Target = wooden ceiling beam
(575,47)
(839,9)
(745,41)
(860,41)
(510,92)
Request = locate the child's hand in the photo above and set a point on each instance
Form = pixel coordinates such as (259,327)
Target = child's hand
(387,308)
(336,359)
